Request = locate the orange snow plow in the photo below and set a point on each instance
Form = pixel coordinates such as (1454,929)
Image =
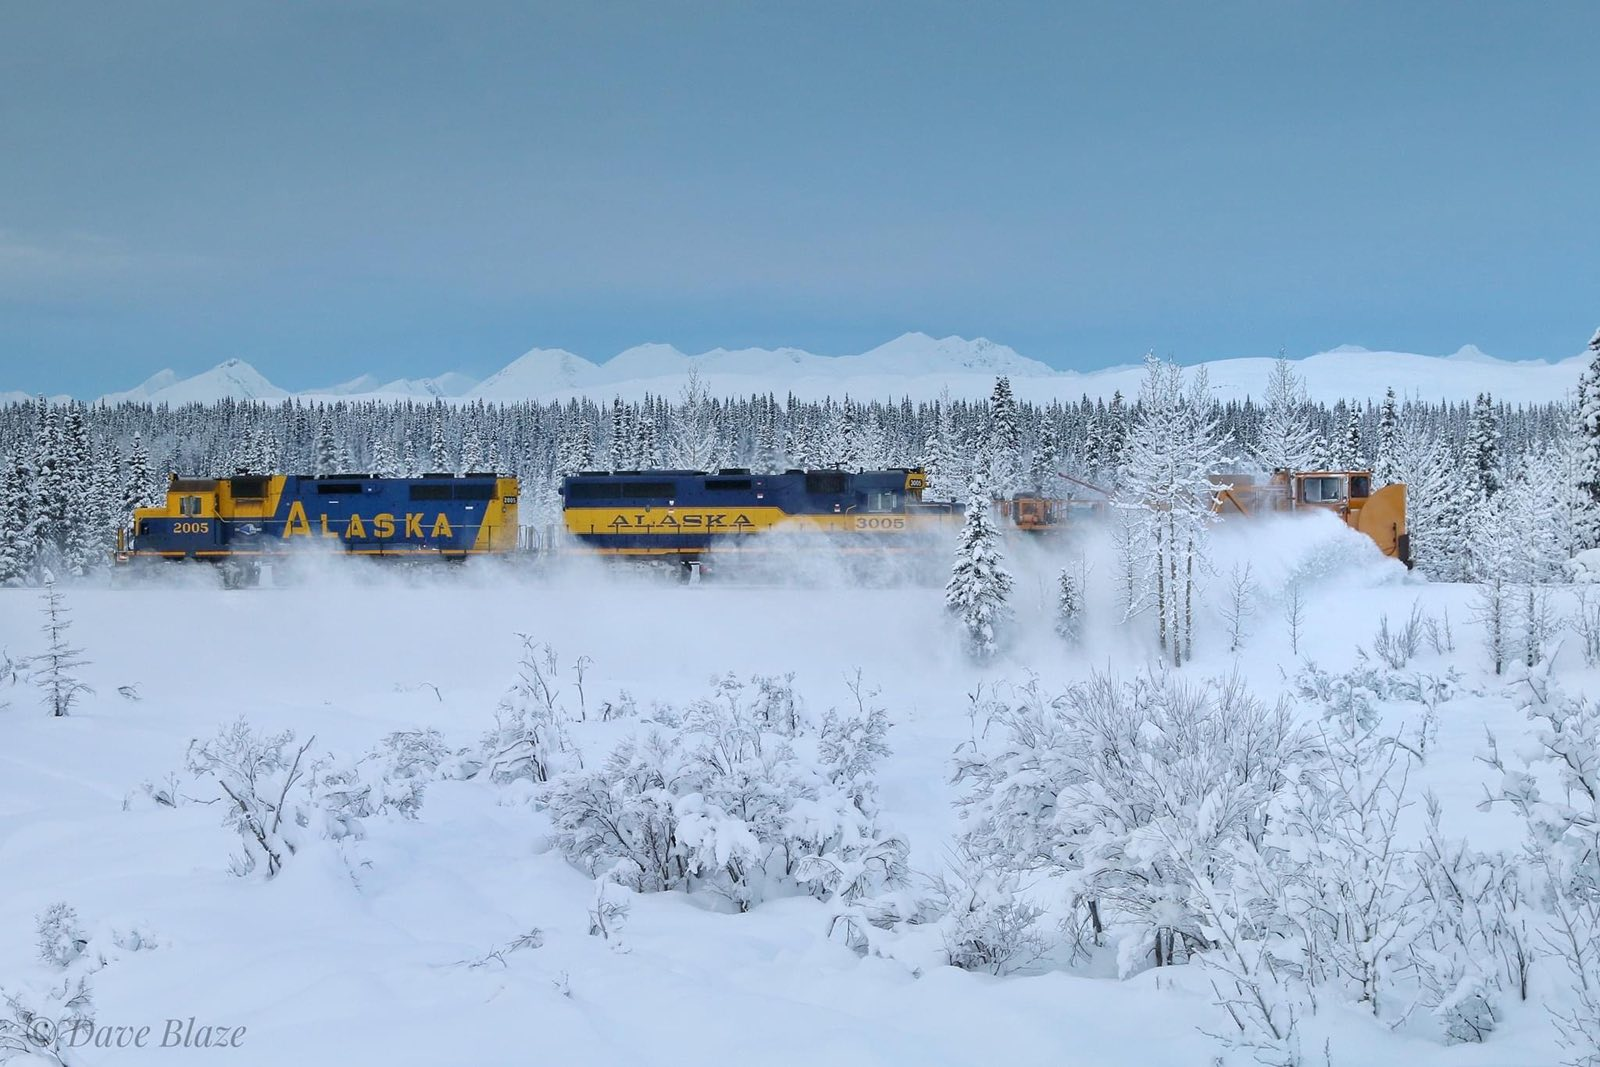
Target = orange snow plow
(1380,514)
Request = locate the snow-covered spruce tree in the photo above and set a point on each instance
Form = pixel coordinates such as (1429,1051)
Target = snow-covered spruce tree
(1384,456)
(327,449)
(769,458)
(1288,442)
(1494,565)
(695,445)
(619,453)
(941,459)
(438,448)
(384,462)
(1003,442)
(1111,437)
(1069,606)
(1588,451)
(472,453)
(1516,549)
(979,586)
(54,670)
(1485,447)
(1350,455)
(18,528)
(1173,451)
(1439,503)
(138,487)
(1044,476)
(75,535)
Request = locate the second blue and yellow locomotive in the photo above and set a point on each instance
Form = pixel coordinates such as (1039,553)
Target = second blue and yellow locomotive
(686,515)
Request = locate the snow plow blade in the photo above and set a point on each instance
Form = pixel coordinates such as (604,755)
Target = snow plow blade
(1382,517)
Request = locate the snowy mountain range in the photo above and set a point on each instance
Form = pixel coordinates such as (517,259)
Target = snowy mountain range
(913,365)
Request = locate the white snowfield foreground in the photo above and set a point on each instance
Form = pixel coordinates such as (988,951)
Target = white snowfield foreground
(383,950)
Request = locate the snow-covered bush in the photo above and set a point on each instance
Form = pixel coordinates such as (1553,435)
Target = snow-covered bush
(1476,944)
(1350,698)
(850,747)
(418,757)
(722,798)
(61,938)
(1353,897)
(530,734)
(986,926)
(263,782)
(1585,622)
(1396,647)
(39,1023)
(618,820)
(1076,784)
(275,793)
(607,916)
(1563,842)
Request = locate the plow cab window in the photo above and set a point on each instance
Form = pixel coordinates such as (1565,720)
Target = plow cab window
(1360,486)
(1323,490)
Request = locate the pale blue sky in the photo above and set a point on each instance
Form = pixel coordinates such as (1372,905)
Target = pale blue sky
(330,188)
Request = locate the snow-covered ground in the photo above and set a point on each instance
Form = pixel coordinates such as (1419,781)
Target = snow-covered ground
(363,952)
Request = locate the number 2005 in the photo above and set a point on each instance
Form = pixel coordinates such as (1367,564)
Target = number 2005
(191,527)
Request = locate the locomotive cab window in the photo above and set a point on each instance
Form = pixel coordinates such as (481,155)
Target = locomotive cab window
(888,501)
(188,505)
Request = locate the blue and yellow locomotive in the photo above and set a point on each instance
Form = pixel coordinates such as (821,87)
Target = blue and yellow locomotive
(688,515)
(249,519)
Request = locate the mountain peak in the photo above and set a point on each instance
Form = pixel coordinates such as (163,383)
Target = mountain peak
(914,364)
